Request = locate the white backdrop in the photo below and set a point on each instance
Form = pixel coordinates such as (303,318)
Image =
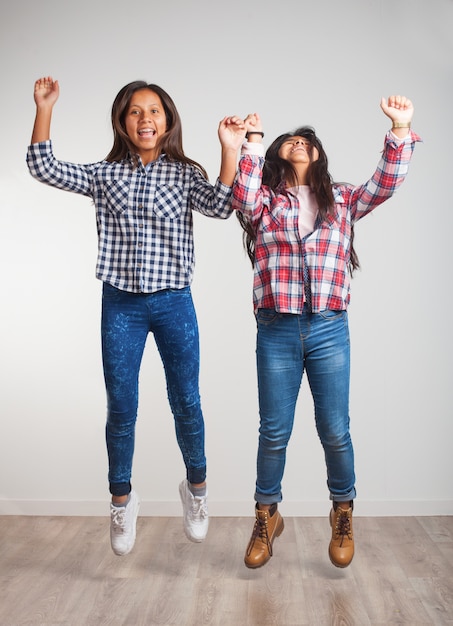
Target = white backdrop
(323,63)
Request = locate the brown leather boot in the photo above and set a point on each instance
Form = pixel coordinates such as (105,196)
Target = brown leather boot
(268,525)
(341,547)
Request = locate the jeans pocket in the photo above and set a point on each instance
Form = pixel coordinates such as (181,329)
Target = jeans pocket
(330,314)
(266,316)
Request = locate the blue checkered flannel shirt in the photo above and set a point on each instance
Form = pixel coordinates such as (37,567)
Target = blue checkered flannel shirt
(143,214)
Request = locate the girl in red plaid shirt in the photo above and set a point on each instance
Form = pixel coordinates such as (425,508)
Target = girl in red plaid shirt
(299,235)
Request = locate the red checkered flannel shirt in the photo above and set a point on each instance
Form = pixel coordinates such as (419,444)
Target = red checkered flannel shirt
(281,253)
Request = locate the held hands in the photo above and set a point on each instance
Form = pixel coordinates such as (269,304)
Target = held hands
(232,132)
(399,109)
(253,124)
(233,129)
(46,91)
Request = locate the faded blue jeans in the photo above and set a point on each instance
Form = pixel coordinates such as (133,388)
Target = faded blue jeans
(288,345)
(127,319)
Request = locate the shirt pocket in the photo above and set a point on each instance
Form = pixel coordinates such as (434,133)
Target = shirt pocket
(270,221)
(280,215)
(331,221)
(116,194)
(168,201)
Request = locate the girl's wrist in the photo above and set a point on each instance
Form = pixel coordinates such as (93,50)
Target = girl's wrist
(254,136)
(401,124)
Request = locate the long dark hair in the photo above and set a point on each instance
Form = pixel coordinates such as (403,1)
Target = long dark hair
(170,142)
(278,172)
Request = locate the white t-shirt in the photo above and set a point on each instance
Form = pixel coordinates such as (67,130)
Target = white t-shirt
(308,210)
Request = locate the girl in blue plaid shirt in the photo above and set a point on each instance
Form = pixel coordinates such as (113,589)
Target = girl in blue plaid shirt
(299,233)
(144,193)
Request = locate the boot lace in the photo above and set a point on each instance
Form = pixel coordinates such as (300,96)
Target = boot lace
(343,525)
(260,532)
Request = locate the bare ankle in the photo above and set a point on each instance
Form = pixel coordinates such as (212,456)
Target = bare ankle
(119,499)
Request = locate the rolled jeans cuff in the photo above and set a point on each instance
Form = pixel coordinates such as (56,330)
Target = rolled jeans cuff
(120,489)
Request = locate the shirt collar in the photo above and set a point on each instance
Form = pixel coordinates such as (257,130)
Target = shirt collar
(140,165)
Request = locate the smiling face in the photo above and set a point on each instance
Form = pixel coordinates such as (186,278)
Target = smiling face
(145,123)
(298,150)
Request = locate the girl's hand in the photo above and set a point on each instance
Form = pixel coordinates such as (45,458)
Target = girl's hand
(398,108)
(253,122)
(232,132)
(46,91)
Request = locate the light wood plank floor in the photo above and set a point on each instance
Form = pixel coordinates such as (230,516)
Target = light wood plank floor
(60,570)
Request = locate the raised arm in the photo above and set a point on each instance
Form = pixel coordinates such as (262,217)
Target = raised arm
(400,110)
(254,128)
(231,134)
(45,94)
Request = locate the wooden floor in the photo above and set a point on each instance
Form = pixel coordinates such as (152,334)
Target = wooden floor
(60,570)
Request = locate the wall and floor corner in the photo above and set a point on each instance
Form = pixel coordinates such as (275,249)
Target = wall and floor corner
(325,64)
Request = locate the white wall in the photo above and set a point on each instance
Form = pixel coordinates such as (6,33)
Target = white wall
(324,63)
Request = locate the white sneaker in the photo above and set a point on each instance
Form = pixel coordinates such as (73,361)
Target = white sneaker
(195,513)
(123,522)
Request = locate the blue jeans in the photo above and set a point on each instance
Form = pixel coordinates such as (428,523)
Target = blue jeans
(127,318)
(286,346)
